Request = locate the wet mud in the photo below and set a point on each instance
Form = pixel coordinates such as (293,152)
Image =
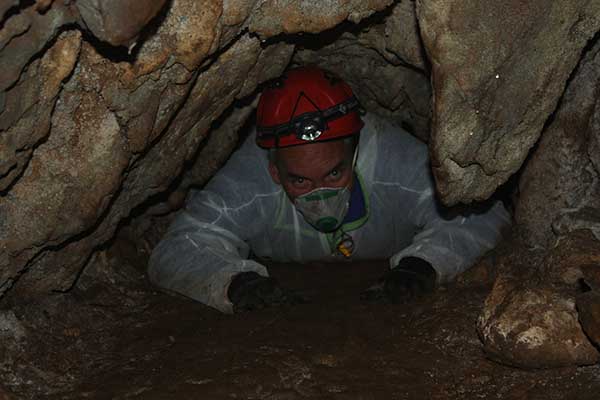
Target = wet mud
(140,343)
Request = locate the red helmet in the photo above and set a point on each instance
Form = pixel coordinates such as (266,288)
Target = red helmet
(306,105)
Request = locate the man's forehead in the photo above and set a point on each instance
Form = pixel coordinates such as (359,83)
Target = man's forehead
(320,155)
(314,150)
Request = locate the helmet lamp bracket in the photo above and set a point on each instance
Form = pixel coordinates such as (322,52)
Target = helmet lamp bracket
(309,126)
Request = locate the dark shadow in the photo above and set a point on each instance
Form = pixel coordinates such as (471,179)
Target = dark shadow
(15,10)
(316,41)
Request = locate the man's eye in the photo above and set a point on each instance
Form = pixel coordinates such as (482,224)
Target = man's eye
(334,173)
(299,181)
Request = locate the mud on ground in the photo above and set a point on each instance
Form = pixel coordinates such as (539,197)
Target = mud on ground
(116,337)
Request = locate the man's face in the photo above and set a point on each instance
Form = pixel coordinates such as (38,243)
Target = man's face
(300,169)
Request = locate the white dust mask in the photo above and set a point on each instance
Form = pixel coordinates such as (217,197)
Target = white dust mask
(324,208)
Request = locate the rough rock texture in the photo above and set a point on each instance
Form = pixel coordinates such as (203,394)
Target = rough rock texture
(588,307)
(25,34)
(497,73)
(27,106)
(559,187)
(153,217)
(559,196)
(398,38)
(588,303)
(89,132)
(388,72)
(530,319)
(103,105)
(118,22)
(274,17)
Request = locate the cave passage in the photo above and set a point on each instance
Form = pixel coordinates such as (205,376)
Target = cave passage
(111,113)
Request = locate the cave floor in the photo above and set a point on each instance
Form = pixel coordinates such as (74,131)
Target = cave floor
(335,347)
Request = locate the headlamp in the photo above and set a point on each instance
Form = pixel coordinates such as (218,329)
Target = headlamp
(309,126)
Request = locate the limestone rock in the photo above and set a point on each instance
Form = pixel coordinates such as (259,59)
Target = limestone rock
(80,184)
(11,328)
(153,172)
(588,306)
(118,22)
(397,39)
(72,178)
(90,132)
(534,328)
(26,34)
(498,71)
(388,72)
(27,106)
(274,17)
(588,303)
(559,185)
(591,275)
(571,260)
(569,220)
(399,92)
(530,319)
(7,5)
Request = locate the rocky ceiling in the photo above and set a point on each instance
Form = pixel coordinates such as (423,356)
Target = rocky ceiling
(104,103)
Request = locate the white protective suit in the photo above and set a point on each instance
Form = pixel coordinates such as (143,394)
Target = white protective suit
(242,209)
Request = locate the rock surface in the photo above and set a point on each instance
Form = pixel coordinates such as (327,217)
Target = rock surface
(530,319)
(559,186)
(104,104)
(27,106)
(388,72)
(274,17)
(588,307)
(118,22)
(498,71)
(89,132)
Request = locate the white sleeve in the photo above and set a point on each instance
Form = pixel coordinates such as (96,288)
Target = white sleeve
(205,245)
(452,239)
(449,239)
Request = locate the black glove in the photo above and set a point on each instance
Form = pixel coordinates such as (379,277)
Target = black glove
(251,291)
(411,278)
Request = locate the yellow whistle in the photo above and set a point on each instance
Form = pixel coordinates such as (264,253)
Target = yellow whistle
(344,250)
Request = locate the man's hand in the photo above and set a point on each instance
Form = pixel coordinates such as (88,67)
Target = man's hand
(411,278)
(251,291)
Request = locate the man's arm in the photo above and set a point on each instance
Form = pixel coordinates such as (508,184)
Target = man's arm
(449,240)
(444,246)
(199,260)
(205,246)
(446,242)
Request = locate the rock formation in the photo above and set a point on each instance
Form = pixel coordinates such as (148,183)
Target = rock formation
(497,72)
(105,104)
(90,131)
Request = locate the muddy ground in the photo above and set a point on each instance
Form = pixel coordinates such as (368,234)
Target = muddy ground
(115,337)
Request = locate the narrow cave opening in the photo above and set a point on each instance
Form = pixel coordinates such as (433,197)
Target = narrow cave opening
(114,116)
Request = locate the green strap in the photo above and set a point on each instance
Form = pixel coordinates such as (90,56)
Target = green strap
(334,238)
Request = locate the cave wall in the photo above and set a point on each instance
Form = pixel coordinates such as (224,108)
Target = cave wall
(543,310)
(388,70)
(89,131)
(497,74)
(103,104)
(559,185)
